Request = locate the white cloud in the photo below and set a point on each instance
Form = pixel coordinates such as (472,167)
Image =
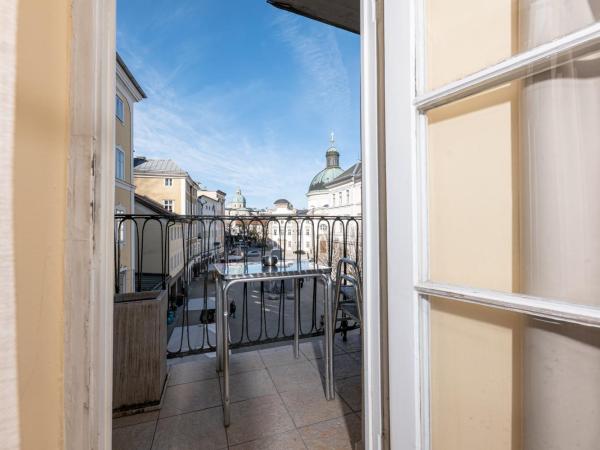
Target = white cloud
(316,48)
(203,132)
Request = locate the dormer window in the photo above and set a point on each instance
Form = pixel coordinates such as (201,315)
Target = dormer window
(168,181)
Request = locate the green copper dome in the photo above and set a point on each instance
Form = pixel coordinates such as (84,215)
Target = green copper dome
(323,177)
(329,173)
(238,200)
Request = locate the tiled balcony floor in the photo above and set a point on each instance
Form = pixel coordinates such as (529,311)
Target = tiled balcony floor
(278,402)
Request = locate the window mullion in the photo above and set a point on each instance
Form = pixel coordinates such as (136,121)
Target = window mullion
(525,304)
(527,63)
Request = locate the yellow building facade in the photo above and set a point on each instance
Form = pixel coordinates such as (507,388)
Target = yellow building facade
(163,181)
(128,92)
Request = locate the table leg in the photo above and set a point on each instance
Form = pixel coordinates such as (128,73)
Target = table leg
(218,322)
(296,319)
(226,399)
(328,341)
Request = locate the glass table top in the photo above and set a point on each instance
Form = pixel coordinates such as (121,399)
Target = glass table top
(237,270)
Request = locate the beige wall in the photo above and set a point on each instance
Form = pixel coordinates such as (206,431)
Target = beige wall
(475,359)
(154,188)
(41,143)
(154,243)
(123,200)
(464,36)
(473,151)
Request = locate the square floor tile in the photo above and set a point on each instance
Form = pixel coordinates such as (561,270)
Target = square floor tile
(247,385)
(192,431)
(308,406)
(340,433)
(295,376)
(192,371)
(344,366)
(134,419)
(258,418)
(134,437)
(191,397)
(290,440)
(279,356)
(350,389)
(244,362)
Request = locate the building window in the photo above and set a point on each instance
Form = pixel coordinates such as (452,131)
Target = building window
(340,197)
(307,232)
(168,205)
(348,196)
(333,200)
(119,109)
(120,164)
(168,181)
(274,231)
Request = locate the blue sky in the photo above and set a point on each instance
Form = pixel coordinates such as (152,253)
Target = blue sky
(241,93)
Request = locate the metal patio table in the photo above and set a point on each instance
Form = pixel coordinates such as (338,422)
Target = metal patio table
(229,274)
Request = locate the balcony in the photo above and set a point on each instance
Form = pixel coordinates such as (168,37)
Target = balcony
(277,401)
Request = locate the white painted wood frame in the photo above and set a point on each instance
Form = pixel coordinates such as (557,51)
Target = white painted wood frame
(372,425)
(410,132)
(403,245)
(89,260)
(527,63)
(9,407)
(543,57)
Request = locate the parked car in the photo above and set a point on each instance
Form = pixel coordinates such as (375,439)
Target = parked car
(253,253)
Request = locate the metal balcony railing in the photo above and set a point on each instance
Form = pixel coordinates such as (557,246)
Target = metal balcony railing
(174,253)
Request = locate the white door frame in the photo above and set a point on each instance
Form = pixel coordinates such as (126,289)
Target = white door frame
(372,427)
(390,223)
(89,257)
(9,407)
(88,405)
(406,414)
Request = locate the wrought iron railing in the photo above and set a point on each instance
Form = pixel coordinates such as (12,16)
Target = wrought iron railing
(175,252)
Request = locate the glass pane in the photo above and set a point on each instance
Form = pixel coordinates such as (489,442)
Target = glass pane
(464,36)
(514,181)
(502,381)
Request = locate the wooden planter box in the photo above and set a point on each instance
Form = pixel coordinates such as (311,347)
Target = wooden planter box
(139,351)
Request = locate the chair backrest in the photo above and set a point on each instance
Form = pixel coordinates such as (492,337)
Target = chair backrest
(352,280)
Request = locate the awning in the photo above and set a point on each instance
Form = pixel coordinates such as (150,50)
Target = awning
(343,14)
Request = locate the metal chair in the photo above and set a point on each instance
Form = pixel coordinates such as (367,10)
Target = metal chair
(348,292)
(350,288)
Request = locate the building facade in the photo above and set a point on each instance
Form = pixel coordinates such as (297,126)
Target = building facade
(163,181)
(211,234)
(128,92)
(154,255)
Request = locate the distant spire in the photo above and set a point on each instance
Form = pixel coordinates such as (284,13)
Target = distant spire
(332,138)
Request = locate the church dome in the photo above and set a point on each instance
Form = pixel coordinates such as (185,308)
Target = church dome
(330,172)
(238,200)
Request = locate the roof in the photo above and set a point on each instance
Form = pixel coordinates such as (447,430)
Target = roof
(324,177)
(280,200)
(153,205)
(130,75)
(354,171)
(344,14)
(162,166)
